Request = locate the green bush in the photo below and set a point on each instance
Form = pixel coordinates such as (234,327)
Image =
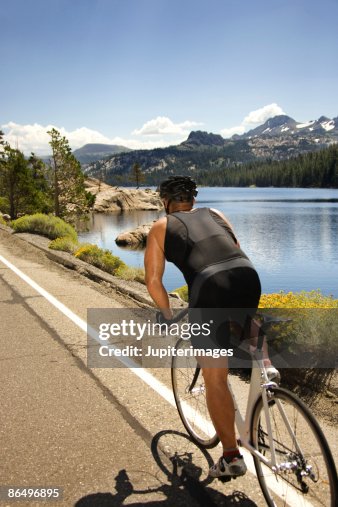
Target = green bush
(2,220)
(100,258)
(46,225)
(182,292)
(65,244)
(130,273)
(303,299)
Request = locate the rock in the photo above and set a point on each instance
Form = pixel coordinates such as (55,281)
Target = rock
(121,199)
(6,217)
(199,138)
(136,238)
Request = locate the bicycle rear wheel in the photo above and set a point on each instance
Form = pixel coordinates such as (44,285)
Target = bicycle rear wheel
(189,392)
(305,472)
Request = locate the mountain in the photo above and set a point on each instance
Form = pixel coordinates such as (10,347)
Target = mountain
(202,139)
(283,125)
(279,138)
(92,152)
(282,137)
(276,126)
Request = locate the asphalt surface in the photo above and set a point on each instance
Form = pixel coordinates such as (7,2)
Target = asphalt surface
(102,435)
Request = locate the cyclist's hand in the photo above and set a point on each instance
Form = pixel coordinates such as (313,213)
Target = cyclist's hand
(160,319)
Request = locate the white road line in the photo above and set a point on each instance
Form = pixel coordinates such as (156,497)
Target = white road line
(144,375)
(149,379)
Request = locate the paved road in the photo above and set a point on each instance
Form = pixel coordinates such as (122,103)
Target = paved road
(103,435)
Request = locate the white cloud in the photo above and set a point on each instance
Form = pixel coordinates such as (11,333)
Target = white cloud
(34,138)
(163,125)
(233,130)
(261,115)
(253,119)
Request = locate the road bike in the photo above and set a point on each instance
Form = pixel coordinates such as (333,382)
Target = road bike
(292,458)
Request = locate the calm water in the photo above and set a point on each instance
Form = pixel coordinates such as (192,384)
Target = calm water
(291,235)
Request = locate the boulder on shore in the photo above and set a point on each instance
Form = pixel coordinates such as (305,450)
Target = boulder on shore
(110,198)
(136,238)
(5,217)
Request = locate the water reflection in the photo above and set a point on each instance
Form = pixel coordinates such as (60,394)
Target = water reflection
(294,245)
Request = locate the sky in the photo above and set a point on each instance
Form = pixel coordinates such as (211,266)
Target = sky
(144,73)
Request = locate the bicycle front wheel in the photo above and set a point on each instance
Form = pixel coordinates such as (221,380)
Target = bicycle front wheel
(304,472)
(189,392)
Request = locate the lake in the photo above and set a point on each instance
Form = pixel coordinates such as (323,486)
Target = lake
(290,235)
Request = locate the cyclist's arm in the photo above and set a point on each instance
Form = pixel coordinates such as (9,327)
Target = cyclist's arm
(154,262)
(220,214)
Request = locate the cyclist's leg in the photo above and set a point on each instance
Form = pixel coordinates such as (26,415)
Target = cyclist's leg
(220,405)
(222,412)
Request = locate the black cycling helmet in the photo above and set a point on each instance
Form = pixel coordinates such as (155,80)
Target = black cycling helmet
(178,188)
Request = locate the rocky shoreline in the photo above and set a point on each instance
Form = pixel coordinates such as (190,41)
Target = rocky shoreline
(110,198)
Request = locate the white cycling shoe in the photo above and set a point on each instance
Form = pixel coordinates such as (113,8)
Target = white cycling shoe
(222,468)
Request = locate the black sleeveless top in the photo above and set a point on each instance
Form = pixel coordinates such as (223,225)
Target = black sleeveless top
(199,239)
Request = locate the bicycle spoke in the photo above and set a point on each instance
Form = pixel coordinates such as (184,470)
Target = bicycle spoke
(304,474)
(189,392)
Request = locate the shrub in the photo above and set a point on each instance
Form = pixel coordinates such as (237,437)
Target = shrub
(65,244)
(100,258)
(46,225)
(2,220)
(182,292)
(312,299)
(130,273)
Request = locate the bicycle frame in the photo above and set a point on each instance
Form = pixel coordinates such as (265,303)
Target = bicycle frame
(259,383)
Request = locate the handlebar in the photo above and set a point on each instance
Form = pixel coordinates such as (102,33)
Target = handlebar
(160,319)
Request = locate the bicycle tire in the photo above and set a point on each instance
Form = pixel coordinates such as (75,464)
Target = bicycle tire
(191,405)
(306,471)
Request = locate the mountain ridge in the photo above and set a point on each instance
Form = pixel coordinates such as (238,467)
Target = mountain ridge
(279,138)
(91,152)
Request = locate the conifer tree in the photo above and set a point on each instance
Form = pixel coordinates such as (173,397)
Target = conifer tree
(70,196)
(137,175)
(16,182)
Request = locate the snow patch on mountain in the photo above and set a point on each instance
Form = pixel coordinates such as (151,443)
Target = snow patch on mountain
(328,125)
(304,125)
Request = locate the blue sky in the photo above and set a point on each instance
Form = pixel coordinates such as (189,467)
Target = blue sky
(145,73)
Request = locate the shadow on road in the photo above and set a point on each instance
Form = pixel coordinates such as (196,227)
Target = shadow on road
(185,466)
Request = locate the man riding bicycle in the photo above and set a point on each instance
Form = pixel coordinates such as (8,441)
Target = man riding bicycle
(202,244)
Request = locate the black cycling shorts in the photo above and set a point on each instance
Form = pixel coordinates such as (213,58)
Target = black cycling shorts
(227,300)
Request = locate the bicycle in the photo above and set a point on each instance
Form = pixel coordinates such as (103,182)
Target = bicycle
(292,458)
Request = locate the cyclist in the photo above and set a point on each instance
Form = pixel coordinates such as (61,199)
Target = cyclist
(202,244)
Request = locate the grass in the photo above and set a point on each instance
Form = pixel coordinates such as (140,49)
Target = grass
(46,225)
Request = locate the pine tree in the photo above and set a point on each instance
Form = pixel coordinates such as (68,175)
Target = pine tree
(41,174)
(137,175)
(16,182)
(70,196)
